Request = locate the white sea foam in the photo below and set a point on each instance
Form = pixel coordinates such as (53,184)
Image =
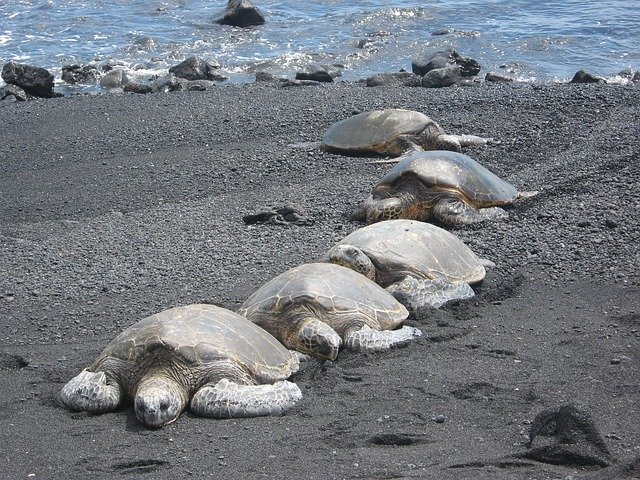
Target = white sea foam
(6,38)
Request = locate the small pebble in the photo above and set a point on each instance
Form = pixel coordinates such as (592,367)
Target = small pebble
(439,418)
(615,361)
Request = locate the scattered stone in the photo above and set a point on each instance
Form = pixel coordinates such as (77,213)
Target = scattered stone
(397,439)
(494,77)
(439,418)
(80,74)
(35,81)
(265,77)
(318,73)
(626,73)
(441,77)
(299,83)
(141,88)
(610,223)
(144,44)
(116,78)
(194,68)
(280,216)
(442,59)
(636,77)
(169,83)
(12,93)
(582,76)
(442,31)
(200,85)
(241,13)
(393,78)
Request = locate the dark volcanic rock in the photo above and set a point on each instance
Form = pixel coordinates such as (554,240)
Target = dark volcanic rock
(441,77)
(319,73)
(495,77)
(169,83)
(137,88)
(200,85)
(114,79)
(582,76)
(393,78)
(300,83)
(80,74)
(194,68)
(422,65)
(265,77)
(241,13)
(12,92)
(280,216)
(35,81)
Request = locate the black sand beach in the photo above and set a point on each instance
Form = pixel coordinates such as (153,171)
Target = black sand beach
(115,207)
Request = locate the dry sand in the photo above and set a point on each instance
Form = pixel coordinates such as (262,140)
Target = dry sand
(115,207)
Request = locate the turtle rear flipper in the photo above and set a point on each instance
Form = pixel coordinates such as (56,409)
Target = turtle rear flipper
(370,340)
(454,211)
(228,399)
(415,293)
(90,392)
(456,143)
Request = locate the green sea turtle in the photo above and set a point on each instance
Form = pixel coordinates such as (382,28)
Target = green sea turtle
(392,132)
(419,263)
(226,365)
(316,307)
(448,186)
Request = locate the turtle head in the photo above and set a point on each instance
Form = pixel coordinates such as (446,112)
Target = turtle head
(159,401)
(353,258)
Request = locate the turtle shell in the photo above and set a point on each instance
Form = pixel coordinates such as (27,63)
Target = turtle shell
(373,131)
(398,248)
(441,169)
(330,291)
(201,334)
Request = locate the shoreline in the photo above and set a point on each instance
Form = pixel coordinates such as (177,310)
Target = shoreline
(114,207)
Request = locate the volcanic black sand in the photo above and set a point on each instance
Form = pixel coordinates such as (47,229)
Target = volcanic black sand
(115,207)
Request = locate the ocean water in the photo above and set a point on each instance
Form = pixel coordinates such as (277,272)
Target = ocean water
(533,40)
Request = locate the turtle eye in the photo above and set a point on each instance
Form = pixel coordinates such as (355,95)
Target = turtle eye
(164,405)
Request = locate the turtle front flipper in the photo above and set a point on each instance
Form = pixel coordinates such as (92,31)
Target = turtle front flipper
(376,210)
(314,337)
(454,211)
(90,392)
(415,293)
(227,399)
(370,340)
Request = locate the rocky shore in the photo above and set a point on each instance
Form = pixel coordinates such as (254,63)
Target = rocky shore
(114,207)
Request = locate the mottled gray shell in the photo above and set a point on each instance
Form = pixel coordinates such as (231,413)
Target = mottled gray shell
(331,290)
(441,169)
(398,248)
(373,131)
(202,334)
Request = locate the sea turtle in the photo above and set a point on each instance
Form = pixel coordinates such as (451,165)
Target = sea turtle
(315,307)
(226,365)
(419,263)
(392,132)
(448,186)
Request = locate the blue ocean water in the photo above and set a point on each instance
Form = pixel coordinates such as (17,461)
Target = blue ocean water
(534,40)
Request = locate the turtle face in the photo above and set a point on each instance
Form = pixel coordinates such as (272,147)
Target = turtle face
(353,258)
(158,402)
